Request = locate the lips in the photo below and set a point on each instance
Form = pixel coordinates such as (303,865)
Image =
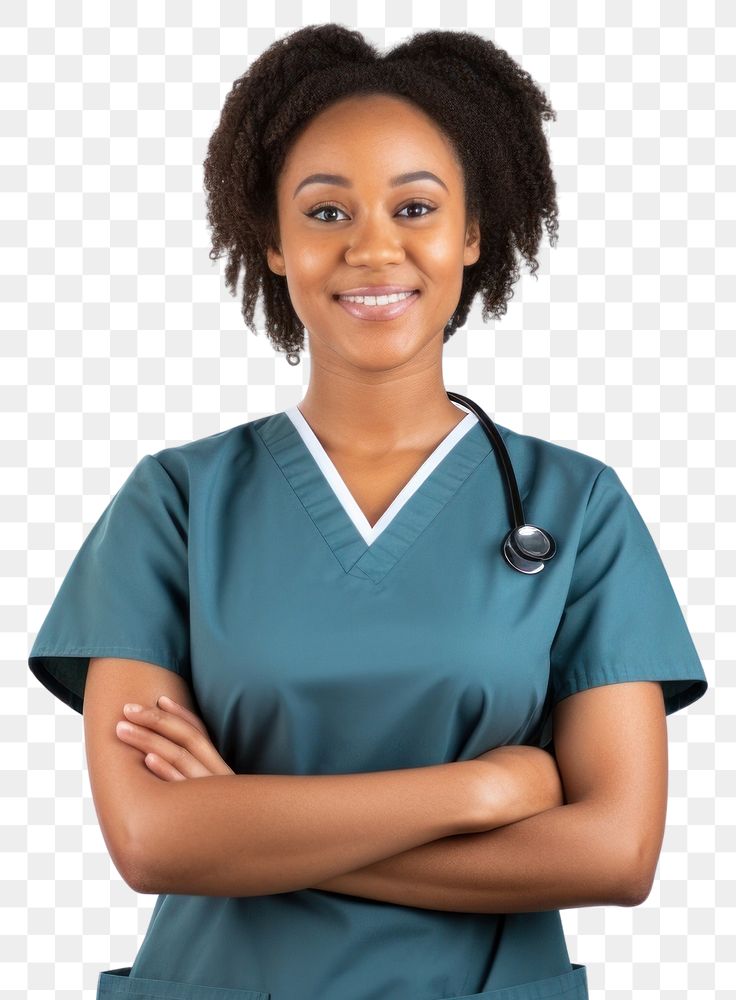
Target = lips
(376,290)
(377,313)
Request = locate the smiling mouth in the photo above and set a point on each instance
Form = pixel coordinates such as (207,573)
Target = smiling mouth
(413,291)
(380,312)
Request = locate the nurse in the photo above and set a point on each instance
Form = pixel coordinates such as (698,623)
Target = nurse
(415,756)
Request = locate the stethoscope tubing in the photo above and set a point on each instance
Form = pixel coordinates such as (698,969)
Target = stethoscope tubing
(527,547)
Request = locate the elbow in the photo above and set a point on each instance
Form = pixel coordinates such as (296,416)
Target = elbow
(626,880)
(143,862)
(638,880)
(128,862)
(643,868)
(629,863)
(135,874)
(144,874)
(134,863)
(638,892)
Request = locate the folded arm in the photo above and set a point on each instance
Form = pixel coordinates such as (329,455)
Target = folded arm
(252,834)
(600,848)
(256,834)
(407,836)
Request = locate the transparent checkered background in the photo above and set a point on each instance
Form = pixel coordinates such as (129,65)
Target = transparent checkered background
(623,348)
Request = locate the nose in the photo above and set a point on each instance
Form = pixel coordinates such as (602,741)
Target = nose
(373,244)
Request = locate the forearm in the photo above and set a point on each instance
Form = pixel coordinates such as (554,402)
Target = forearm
(250,834)
(568,856)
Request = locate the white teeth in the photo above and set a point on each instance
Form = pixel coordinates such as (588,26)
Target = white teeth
(377,300)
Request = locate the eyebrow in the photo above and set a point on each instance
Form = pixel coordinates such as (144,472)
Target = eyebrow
(414,175)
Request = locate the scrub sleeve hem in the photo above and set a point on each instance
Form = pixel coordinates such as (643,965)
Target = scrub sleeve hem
(680,683)
(63,672)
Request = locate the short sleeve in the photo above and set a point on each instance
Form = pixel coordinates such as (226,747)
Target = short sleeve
(621,618)
(126,592)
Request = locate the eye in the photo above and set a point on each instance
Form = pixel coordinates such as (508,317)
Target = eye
(322,208)
(328,205)
(422,204)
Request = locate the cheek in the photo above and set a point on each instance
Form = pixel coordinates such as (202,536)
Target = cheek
(308,272)
(440,255)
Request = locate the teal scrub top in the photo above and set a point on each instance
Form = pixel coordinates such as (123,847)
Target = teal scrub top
(315,643)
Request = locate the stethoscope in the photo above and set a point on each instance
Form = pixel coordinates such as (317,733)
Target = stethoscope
(526,547)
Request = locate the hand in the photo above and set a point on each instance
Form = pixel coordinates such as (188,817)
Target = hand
(174,741)
(520,781)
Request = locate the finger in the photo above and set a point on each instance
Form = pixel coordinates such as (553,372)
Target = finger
(148,741)
(179,731)
(176,709)
(162,769)
(173,708)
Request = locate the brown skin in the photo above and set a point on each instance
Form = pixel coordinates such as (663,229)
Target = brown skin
(247,834)
(532,834)
(368,379)
(530,852)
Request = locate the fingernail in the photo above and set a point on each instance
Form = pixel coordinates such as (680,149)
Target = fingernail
(132,708)
(123,727)
(163,700)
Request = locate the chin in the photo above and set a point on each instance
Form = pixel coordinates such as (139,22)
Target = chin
(383,357)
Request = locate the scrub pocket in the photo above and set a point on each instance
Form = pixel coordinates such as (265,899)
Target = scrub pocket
(569,986)
(117,983)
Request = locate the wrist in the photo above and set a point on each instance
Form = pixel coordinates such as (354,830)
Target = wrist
(476,779)
(517,782)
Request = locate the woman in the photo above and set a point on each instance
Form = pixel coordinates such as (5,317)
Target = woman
(368,687)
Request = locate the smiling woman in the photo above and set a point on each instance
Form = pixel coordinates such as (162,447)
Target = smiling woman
(404,232)
(446,120)
(366,807)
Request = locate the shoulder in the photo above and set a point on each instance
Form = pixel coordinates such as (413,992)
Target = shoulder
(205,460)
(539,463)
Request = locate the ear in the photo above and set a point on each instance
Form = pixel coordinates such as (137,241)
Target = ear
(275,260)
(472,243)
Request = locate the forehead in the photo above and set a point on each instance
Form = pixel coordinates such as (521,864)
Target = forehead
(370,135)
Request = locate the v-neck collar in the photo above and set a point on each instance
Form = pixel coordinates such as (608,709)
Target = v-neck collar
(363,549)
(368,531)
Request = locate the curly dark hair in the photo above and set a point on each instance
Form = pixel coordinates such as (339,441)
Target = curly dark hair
(486,105)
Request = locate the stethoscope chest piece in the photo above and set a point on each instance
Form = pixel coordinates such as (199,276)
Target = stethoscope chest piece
(528,547)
